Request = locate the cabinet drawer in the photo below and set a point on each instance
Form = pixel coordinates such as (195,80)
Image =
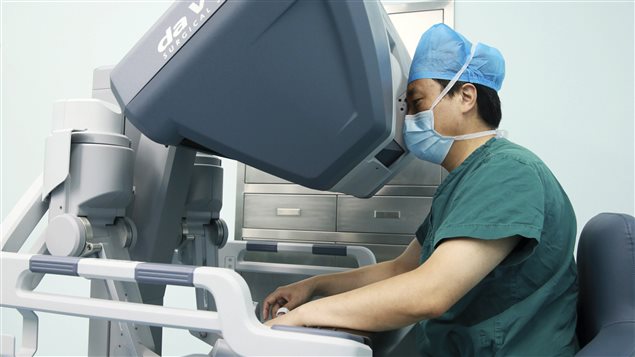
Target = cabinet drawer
(420,173)
(382,214)
(256,176)
(315,213)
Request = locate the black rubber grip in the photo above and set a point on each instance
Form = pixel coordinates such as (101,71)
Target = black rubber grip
(262,247)
(50,264)
(323,249)
(161,274)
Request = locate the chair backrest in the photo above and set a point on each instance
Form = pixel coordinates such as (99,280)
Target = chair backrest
(606,267)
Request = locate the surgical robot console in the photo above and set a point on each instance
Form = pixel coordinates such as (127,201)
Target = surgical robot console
(310,91)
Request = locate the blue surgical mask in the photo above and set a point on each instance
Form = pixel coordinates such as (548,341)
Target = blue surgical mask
(419,134)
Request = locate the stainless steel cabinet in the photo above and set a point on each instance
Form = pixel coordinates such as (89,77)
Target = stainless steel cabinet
(270,208)
(303,212)
(381,214)
(419,173)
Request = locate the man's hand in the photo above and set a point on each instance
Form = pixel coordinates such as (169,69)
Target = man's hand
(292,318)
(289,296)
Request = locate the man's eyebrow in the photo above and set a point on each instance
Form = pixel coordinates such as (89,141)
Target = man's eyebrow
(411,92)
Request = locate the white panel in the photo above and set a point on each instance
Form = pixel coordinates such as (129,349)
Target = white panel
(411,25)
(91,268)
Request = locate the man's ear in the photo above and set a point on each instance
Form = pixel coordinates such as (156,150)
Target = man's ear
(468,97)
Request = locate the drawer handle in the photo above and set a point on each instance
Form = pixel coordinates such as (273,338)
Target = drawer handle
(288,212)
(388,214)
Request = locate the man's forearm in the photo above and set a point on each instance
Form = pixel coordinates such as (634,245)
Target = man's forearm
(331,284)
(455,267)
(379,306)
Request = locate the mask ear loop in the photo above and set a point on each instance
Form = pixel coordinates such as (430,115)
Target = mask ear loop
(456,77)
(501,133)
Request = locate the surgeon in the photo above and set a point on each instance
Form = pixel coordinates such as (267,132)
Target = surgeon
(491,270)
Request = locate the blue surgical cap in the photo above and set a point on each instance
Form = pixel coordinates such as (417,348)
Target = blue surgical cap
(441,53)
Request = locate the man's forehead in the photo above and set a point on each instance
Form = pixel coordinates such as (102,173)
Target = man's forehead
(422,87)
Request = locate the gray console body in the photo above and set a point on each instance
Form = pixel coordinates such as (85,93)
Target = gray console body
(309,91)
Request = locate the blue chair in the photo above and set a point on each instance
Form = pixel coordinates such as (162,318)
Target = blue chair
(606,268)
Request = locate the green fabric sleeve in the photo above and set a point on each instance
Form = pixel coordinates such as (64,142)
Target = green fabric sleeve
(502,198)
(422,231)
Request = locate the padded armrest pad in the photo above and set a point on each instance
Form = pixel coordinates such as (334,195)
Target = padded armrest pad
(325,332)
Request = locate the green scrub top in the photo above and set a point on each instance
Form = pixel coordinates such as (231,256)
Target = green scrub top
(527,305)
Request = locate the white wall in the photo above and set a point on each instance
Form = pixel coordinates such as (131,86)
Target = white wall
(568,92)
(568,96)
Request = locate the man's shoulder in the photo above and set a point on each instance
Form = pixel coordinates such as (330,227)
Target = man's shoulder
(505,151)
